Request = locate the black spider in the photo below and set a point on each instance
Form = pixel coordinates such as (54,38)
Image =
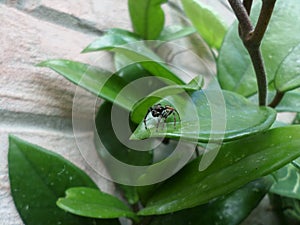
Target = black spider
(161,112)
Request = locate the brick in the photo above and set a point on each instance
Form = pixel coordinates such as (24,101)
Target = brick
(28,41)
(101,15)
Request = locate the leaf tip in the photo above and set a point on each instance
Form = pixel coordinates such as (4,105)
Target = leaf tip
(88,48)
(13,139)
(85,50)
(41,64)
(133,137)
(49,63)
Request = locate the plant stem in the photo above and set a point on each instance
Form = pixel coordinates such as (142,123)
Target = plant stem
(263,20)
(278,97)
(241,13)
(248,4)
(258,64)
(252,38)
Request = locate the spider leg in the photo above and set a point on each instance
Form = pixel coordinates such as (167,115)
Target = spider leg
(175,111)
(174,118)
(165,121)
(157,126)
(146,118)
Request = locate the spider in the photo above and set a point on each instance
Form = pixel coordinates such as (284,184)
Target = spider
(161,112)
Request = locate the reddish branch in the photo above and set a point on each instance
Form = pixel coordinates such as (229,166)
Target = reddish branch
(252,37)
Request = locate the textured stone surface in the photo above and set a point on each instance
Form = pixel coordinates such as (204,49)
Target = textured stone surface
(27,41)
(100,14)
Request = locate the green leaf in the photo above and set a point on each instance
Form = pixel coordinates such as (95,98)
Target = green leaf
(89,202)
(145,192)
(287,181)
(147,17)
(138,52)
(230,209)
(288,74)
(118,146)
(196,83)
(132,162)
(127,70)
(174,32)
(237,163)
(297,119)
(38,178)
(206,21)
(99,82)
(290,102)
(114,146)
(289,206)
(130,193)
(139,109)
(205,115)
(112,38)
(130,71)
(235,71)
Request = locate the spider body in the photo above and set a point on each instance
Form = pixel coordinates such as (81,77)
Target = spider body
(162,112)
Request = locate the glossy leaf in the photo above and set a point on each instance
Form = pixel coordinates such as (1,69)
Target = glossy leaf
(206,116)
(115,148)
(288,74)
(147,17)
(130,193)
(142,106)
(145,192)
(229,209)
(38,178)
(235,71)
(112,38)
(297,119)
(290,102)
(287,181)
(196,83)
(206,21)
(174,32)
(137,52)
(237,163)
(99,82)
(127,162)
(118,146)
(127,70)
(89,202)
(130,72)
(290,208)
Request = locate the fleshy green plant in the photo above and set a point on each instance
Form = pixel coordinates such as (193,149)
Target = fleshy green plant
(228,171)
